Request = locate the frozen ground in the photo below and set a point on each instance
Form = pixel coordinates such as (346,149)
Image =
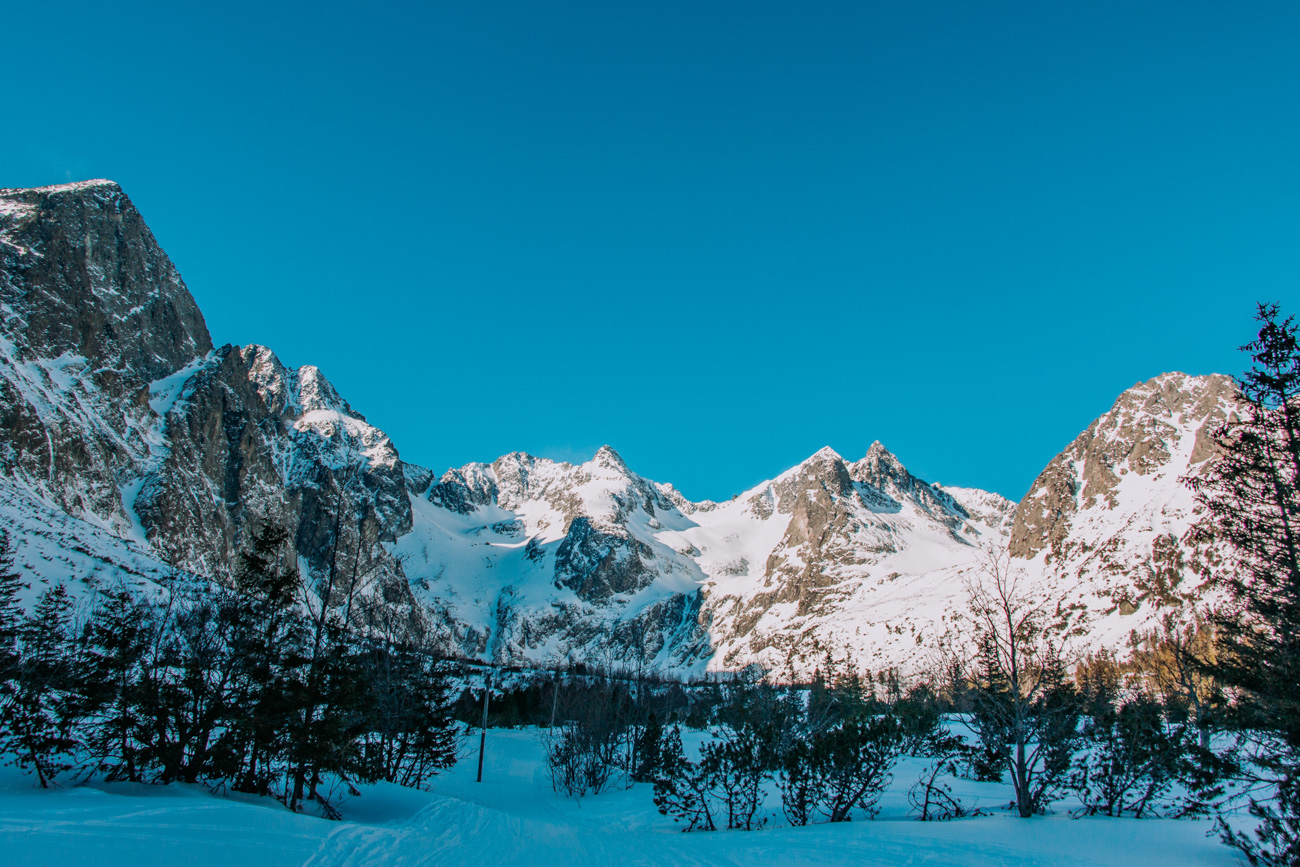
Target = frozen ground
(513,817)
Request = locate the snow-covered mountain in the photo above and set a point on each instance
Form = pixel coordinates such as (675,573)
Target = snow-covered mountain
(526,558)
(1110,516)
(131,447)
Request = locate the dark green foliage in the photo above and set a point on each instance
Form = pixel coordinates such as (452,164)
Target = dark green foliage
(1252,496)
(733,768)
(920,723)
(11,616)
(649,750)
(854,761)
(1276,842)
(774,716)
(803,787)
(1131,758)
(840,770)
(111,678)
(267,643)
(230,686)
(987,761)
(1030,734)
(838,695)
(682,788)
(410,733)
(39,713)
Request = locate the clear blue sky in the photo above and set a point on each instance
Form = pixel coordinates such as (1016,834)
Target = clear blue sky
(716,235)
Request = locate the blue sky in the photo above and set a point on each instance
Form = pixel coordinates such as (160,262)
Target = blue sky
(715,235)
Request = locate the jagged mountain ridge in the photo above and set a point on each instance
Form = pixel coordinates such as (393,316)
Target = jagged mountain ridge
(526,554)
(121,416)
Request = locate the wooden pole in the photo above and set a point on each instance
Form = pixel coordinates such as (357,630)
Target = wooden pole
(482,738)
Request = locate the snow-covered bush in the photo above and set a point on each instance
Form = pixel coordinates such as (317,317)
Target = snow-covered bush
(932,798)
(593,743)
(1131,761)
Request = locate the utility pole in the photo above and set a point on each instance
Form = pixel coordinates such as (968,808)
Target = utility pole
(482,738)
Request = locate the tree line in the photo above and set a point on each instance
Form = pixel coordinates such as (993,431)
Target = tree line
(1106,733)
(259,684)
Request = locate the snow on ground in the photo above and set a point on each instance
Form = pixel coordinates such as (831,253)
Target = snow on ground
(513,817)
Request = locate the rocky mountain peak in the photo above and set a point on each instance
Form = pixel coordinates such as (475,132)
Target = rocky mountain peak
(1152,436)
(83,275)
(823,474)
(292,392)
(609,459)
(880,467)
(316,393)
(272,379)
(881,471)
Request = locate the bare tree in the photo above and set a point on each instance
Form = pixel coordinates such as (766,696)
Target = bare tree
(1024,704)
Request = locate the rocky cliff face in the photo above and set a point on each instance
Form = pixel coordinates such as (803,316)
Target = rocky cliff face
(94,313)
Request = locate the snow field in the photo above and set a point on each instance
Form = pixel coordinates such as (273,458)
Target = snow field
(514,818)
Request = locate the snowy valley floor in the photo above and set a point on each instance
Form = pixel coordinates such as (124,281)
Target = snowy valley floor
(513,817)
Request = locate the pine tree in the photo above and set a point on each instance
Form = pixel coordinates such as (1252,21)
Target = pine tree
(267,642)
(1252,496)
(38,717)
(109,677)
(186,686)
(648,750)
(11,616)
(682,787)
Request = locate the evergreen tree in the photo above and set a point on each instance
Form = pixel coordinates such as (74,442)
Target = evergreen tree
(803,787)
(1252,496)
(1133,757)
(855,761)
(11,617)
(682,787)
(193,688)
(648,752)
(1252,493)
(109,680)
(267,643)
(38,718)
